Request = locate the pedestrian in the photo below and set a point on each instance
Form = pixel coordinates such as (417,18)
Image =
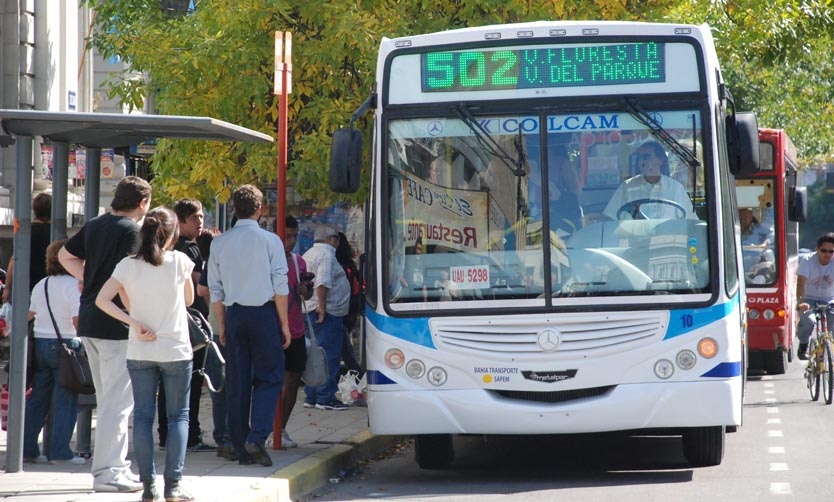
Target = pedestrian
(247,278)
(90,256)
(156,284)
(326,309)
(41,235)
(190,217)
(219,415)
(344,255)
(49,398)
(301,288)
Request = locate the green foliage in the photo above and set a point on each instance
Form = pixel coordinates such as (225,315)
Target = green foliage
(218,61)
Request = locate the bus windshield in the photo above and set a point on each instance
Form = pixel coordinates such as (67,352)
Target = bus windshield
(545,206)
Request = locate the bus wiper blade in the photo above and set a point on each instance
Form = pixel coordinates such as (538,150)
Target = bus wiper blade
(491,146)
(635,110)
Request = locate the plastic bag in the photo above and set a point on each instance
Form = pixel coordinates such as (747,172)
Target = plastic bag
(350,390)
(315,370)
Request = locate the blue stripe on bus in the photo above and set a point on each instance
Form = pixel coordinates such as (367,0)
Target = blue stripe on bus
(414,330)
(724,370)
(683,321)
(378,378)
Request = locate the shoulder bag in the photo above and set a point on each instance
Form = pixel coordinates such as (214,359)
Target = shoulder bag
(315,369)
(73,367)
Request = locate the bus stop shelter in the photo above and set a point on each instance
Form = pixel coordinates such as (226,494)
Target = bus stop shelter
(92,131)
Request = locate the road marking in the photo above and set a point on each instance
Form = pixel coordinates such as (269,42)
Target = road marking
(770,400)
(774,420)
(774,434)
(768,385)
(770,392)
(776,449)
(780,488)
(773,409)
(778,466)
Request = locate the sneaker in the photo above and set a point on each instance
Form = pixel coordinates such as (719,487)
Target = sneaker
(74,460)
(201,446)
(84,454)
(286,440)
(309,405)
(802,351)
(40,459)
(258,453)
(149,492)
(176,493)
(121,484)
(332,405)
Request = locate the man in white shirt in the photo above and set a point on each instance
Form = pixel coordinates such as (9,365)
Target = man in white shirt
(327,308)
(653,183)
(814,286)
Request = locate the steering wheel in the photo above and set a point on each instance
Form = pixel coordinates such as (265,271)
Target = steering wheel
(632,208)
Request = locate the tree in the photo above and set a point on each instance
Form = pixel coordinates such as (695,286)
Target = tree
(218,60)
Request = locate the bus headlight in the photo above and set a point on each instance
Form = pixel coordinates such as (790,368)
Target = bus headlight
(769,314)
(415,368)
(394,359)
(664,369)
(686,359)
(437,376)
(753,314)
(708,347)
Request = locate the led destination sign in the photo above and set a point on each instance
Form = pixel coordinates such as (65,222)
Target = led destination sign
(580,66)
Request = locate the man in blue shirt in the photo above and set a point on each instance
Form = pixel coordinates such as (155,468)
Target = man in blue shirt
(247,280)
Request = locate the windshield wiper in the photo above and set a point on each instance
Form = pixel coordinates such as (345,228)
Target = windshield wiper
(635,110)
(489,143)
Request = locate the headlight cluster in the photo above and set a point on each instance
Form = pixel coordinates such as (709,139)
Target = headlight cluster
(686,359)
(415,368)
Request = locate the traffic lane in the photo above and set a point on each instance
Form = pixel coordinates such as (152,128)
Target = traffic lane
(618,466)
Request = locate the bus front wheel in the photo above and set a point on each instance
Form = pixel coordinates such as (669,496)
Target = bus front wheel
(434,451)
(703,446)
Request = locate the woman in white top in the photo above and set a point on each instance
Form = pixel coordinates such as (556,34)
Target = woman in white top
(155,285)
(64,299)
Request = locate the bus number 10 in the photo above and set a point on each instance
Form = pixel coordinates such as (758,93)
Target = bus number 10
(472,69)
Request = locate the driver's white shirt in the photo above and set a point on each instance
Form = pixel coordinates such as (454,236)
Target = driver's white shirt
(666,188)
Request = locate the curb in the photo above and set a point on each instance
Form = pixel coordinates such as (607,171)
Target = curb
(312,472)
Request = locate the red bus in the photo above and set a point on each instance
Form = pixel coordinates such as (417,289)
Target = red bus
(770,206)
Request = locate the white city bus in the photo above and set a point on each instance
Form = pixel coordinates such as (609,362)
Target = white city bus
(505,292)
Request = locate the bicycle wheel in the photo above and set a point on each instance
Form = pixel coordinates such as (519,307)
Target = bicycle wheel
(812,370)
(827,372)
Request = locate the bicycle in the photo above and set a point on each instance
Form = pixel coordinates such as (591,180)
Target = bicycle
(820,367)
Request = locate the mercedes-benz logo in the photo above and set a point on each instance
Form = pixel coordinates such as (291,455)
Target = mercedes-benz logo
(549,339)
(434,128)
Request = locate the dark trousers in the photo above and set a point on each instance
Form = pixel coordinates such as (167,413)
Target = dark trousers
(254,372)
(195,434)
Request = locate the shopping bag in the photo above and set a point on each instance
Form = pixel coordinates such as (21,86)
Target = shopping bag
(315,370)
(350,389)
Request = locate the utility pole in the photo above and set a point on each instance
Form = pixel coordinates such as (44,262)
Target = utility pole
(282,88)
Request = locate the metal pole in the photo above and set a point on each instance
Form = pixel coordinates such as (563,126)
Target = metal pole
(20,303)
(93,183)
(60,169)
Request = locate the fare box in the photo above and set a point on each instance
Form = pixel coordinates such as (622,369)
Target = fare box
(470,277)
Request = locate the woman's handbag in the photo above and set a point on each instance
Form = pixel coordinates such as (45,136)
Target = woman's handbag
(74,372)
(199,329)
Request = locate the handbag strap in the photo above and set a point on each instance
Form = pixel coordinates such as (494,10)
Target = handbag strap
(49,308)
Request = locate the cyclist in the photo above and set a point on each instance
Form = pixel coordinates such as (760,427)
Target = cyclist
(814,286)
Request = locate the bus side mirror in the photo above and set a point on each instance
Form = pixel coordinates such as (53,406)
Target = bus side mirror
(345,160)
(743,143)
(798,206)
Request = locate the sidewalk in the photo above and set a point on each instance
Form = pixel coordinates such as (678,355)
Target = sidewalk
(329,442)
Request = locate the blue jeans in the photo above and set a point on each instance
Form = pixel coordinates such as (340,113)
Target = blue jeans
(254,372)
(807,322)
(145,377)
(330,334)
(48,395)
(220,434)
